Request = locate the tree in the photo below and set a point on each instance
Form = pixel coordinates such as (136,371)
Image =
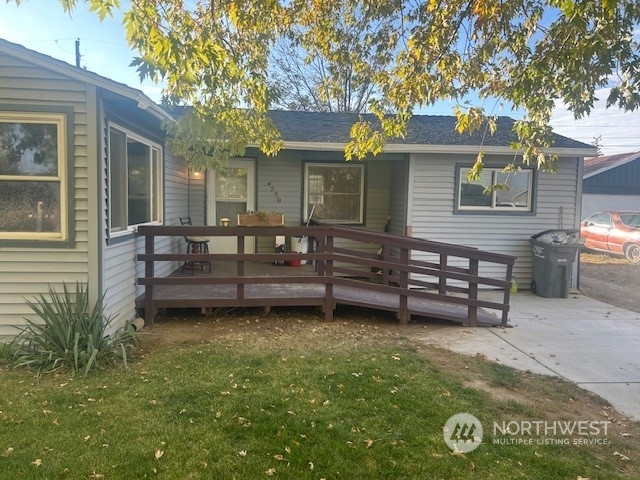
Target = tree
(313,73)
(527,53)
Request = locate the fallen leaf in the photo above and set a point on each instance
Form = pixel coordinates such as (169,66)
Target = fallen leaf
(242,453)
(368,442)
(582,478)
(37,462)
(457,453)
(622,457)
(279,456)
(8,452)
(539,455)
(627,435)
(310,465)
(271,472)
(159,454)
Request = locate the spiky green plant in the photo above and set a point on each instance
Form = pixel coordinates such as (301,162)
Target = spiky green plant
(70,334)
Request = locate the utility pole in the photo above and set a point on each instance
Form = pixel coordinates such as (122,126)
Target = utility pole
(77,52)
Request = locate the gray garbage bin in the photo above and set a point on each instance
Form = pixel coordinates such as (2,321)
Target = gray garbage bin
(554,252)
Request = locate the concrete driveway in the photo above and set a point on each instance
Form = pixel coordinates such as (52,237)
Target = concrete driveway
(590,343)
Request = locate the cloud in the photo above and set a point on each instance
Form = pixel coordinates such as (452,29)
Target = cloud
(619,131)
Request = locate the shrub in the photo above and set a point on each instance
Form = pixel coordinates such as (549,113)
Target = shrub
(70,334)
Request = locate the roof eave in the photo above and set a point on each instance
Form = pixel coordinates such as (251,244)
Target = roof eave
(63,68)
(423,148)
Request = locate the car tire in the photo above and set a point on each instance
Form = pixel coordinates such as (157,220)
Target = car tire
(632,252)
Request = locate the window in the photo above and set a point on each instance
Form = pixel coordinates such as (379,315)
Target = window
(602,220)
(33,182)
(334,192)
(511,192)
(135,181)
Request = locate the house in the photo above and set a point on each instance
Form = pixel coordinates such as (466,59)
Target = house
(611,183)
(82,162)
(417,187)
(93,167)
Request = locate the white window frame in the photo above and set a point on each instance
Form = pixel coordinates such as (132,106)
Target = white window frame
(60,121)
(494,207)
(334,165)
(157,198)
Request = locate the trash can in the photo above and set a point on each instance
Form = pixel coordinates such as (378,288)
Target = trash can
(554,252)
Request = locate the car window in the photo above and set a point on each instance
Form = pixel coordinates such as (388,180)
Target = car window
(631,219)
(600,219)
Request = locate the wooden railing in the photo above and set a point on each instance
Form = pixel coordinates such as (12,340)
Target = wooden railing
(412,269)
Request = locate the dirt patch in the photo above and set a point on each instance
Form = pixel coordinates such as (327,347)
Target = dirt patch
(612,280)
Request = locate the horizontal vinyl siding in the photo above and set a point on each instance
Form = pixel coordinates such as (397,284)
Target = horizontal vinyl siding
(120,265)
(432,207)
(398,198)
(285,173)
(28,272)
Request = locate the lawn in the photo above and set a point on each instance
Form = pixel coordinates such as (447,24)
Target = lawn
(292,397)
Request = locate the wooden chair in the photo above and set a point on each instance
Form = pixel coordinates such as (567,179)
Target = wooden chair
(195,245)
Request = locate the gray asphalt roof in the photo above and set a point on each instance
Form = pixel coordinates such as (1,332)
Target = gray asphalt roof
(422,130)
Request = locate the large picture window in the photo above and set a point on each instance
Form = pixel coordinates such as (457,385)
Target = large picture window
(496,191)
(33,182)
(135,180)
(334,192)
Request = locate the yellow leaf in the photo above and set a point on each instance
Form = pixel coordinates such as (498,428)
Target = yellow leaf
(368,442)
(159,454)
(8,452)
(37,462)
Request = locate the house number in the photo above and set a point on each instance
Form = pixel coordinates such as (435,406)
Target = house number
(273,190)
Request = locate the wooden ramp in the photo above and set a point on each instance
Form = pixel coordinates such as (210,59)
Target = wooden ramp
(407,276)
(299,294)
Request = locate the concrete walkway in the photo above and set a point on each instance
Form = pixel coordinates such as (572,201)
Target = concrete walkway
(590,343)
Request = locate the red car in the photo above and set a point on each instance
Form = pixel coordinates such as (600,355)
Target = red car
(613,232)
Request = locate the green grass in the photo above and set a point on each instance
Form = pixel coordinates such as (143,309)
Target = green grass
(228,410)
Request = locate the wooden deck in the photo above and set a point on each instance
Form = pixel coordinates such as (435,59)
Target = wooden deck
(446,288)
(306,294)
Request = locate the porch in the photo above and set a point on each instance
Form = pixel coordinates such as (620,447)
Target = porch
(341,270)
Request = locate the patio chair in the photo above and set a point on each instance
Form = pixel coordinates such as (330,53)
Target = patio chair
(195,245)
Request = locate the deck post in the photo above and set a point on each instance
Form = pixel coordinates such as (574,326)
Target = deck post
(442,284)
(149,272)
(329,301)
(403,314)
(472,310)
(240,269)
(507,298)
(385,271)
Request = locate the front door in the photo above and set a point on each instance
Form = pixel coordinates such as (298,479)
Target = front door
(233,191)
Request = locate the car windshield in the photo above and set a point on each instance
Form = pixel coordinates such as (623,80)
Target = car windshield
(631,219)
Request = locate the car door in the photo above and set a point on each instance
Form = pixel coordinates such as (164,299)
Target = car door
(596,229)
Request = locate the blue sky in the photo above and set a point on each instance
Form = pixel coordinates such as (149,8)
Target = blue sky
(43,26)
